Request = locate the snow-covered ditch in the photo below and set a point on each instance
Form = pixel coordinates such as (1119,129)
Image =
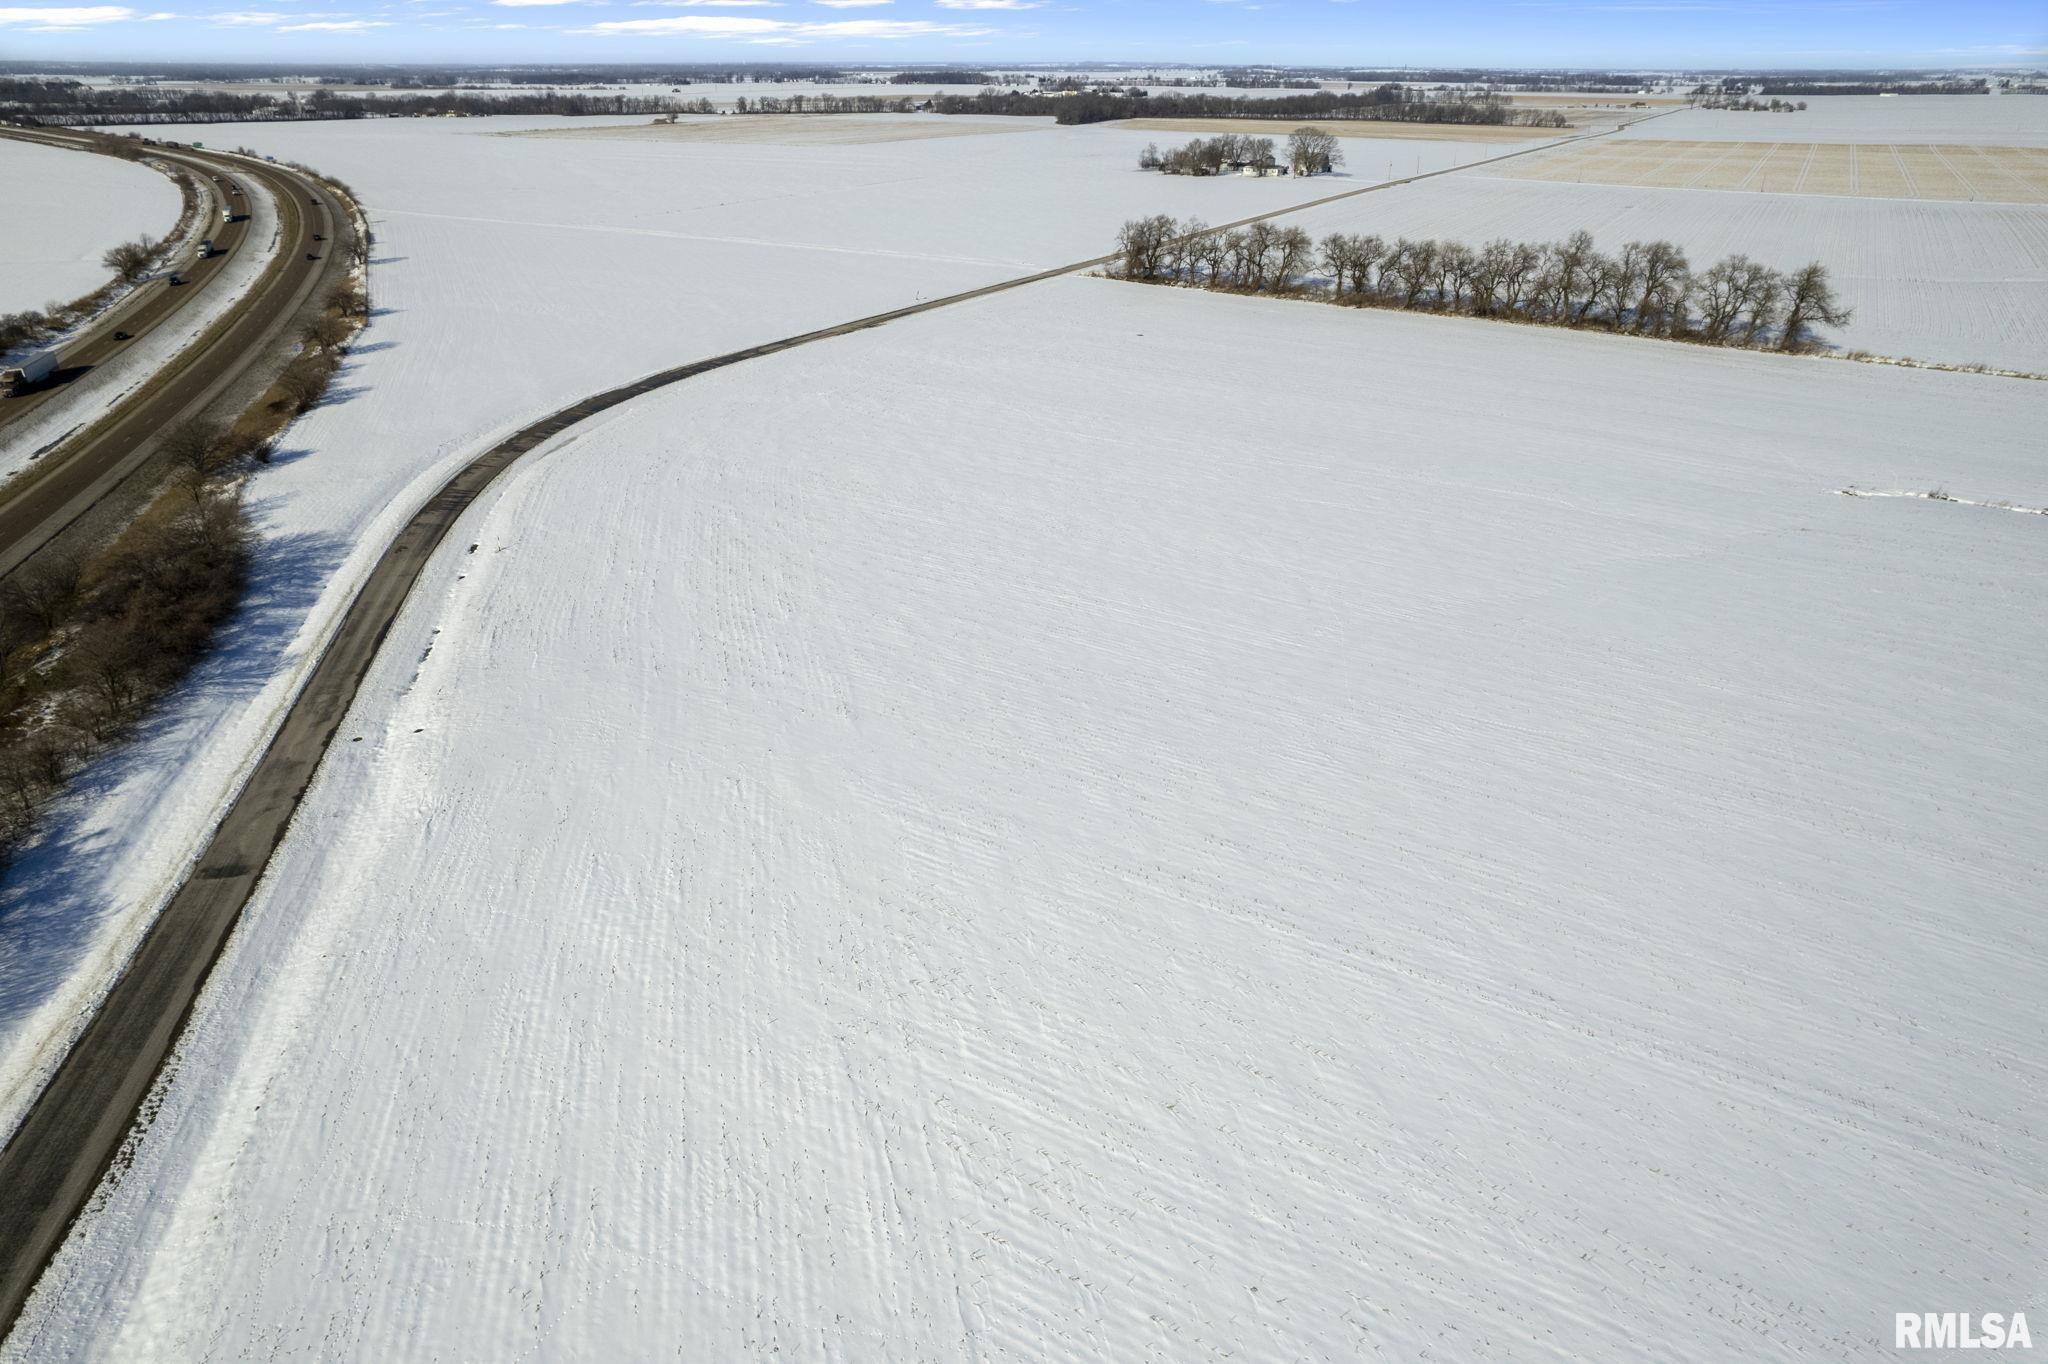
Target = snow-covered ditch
(1114,823)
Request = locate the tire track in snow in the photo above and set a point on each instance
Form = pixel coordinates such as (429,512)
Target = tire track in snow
(71,1137)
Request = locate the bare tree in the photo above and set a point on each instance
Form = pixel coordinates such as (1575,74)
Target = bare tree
(1454,271)
(1142,245)
(1413,269)
(1182,258)
(1518,277)
(1622,282)
(1293,252)
(1261,239)
(1763,295)
(1809,298)
(1311,151)
(1661,288)
(325,332)
(1721,298)
(130,260)
(194,444)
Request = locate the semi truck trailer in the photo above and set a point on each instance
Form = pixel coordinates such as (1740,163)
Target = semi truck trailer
(29,372)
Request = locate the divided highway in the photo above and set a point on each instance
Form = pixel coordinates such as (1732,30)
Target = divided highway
(68,1140)
(50,495)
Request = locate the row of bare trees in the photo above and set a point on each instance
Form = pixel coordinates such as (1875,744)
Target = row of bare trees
(1211,155)
(1646,288)
(1310,151)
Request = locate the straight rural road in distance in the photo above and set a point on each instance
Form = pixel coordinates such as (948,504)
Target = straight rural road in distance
(43,500)
(70,1137)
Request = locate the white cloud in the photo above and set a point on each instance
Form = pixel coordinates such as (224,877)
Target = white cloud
(697,24)
(56,20)
(720,26)
(247,18)
(335,26)
(990,4)
(851,4)
(695,4)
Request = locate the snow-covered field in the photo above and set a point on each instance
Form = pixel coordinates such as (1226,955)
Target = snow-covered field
(1987,120)
(1953,282)
(974,840)
(513,275)
(59,213)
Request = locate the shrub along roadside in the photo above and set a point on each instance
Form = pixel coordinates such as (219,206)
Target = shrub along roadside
(1647,288)
(89,643)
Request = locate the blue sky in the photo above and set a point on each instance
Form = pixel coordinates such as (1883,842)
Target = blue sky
(1691,33)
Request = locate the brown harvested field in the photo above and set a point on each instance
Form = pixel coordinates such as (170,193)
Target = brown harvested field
(1280,127)
(1879,171)
(1589,101)
(795,130)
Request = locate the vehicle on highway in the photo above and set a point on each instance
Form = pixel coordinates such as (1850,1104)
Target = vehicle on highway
(122,336)
(176,279)
(205,247)
(29,372)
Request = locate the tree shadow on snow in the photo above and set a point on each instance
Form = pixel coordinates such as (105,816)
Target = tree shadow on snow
(58,894)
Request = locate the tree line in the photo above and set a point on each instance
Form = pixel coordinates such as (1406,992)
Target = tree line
(1310,151)
(1389,103)
(819,104)
(69,102)
(1774,105)
(1645,288)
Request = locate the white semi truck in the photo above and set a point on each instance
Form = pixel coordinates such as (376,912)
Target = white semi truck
(29,372)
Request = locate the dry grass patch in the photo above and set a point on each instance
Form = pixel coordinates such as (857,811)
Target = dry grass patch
(1372,128)
(1875,170)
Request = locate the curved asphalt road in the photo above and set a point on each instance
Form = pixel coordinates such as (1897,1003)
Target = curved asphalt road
(69,1139)
(43,500)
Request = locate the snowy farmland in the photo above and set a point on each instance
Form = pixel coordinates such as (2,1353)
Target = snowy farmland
(865,862)
(2003,121)
(512,275)
(60,212)
(1950,282)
